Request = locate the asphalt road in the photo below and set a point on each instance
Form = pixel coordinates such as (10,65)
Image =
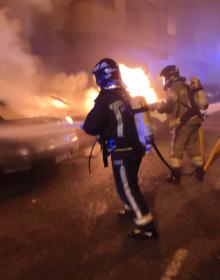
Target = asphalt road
(61,223)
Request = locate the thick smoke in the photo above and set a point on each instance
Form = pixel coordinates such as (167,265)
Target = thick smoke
(25,9)
(44,6)
(25,82)
(19,70)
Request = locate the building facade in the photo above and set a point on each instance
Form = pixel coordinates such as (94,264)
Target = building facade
(147,33)
(132,32)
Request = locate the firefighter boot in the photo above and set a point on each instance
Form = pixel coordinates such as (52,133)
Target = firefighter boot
(199,173)
(145,232)
(175,176)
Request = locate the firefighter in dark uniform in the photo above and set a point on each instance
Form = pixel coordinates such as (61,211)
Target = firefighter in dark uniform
(183,104)
(112,122)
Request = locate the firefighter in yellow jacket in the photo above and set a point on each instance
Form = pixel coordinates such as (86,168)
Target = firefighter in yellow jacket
(183,104)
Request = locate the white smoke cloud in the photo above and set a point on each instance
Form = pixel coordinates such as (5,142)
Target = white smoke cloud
(19,77)
(70,87)
(24,80)
(29,11)
(44,6)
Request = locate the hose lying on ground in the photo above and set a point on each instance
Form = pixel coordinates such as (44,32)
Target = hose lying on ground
(166,163)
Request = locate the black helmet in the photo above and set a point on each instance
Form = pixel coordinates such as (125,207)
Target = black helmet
(170,71)
(107,74)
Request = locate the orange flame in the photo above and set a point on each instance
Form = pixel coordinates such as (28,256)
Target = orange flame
(91,95)
(137,84)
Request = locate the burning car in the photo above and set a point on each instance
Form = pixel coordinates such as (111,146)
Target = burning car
(23,142)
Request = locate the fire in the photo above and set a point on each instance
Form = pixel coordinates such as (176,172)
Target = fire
(58,103)
(137,83)
(91,95)
(53,106)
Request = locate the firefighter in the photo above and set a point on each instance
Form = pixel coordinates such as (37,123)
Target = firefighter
(183,104)
(111,120)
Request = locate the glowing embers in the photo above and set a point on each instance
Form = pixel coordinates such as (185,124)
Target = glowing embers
(137,83)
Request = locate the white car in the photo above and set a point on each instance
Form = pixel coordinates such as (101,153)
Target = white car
(23,142)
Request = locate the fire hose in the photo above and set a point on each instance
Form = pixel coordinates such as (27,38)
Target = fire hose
(156,150)
(212,155)
(165,161)
(90,156)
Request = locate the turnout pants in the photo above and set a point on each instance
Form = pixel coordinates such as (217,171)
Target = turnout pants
(186,139)
(125,173)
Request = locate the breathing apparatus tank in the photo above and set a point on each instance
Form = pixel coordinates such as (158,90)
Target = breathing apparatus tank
(199,94)
(142,120)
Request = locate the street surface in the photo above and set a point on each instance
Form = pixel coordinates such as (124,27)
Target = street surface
(61,223)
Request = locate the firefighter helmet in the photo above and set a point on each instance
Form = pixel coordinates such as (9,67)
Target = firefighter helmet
(170,74)
(107,74)
(170,71)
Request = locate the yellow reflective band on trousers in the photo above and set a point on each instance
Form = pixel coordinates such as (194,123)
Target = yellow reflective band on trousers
(146,219)
(128,193)
(197,161)
(175,162)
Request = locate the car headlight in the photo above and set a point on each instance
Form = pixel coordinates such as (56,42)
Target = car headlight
(69,119)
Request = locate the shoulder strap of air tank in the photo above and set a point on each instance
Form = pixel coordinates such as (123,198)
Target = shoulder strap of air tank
(192,111)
